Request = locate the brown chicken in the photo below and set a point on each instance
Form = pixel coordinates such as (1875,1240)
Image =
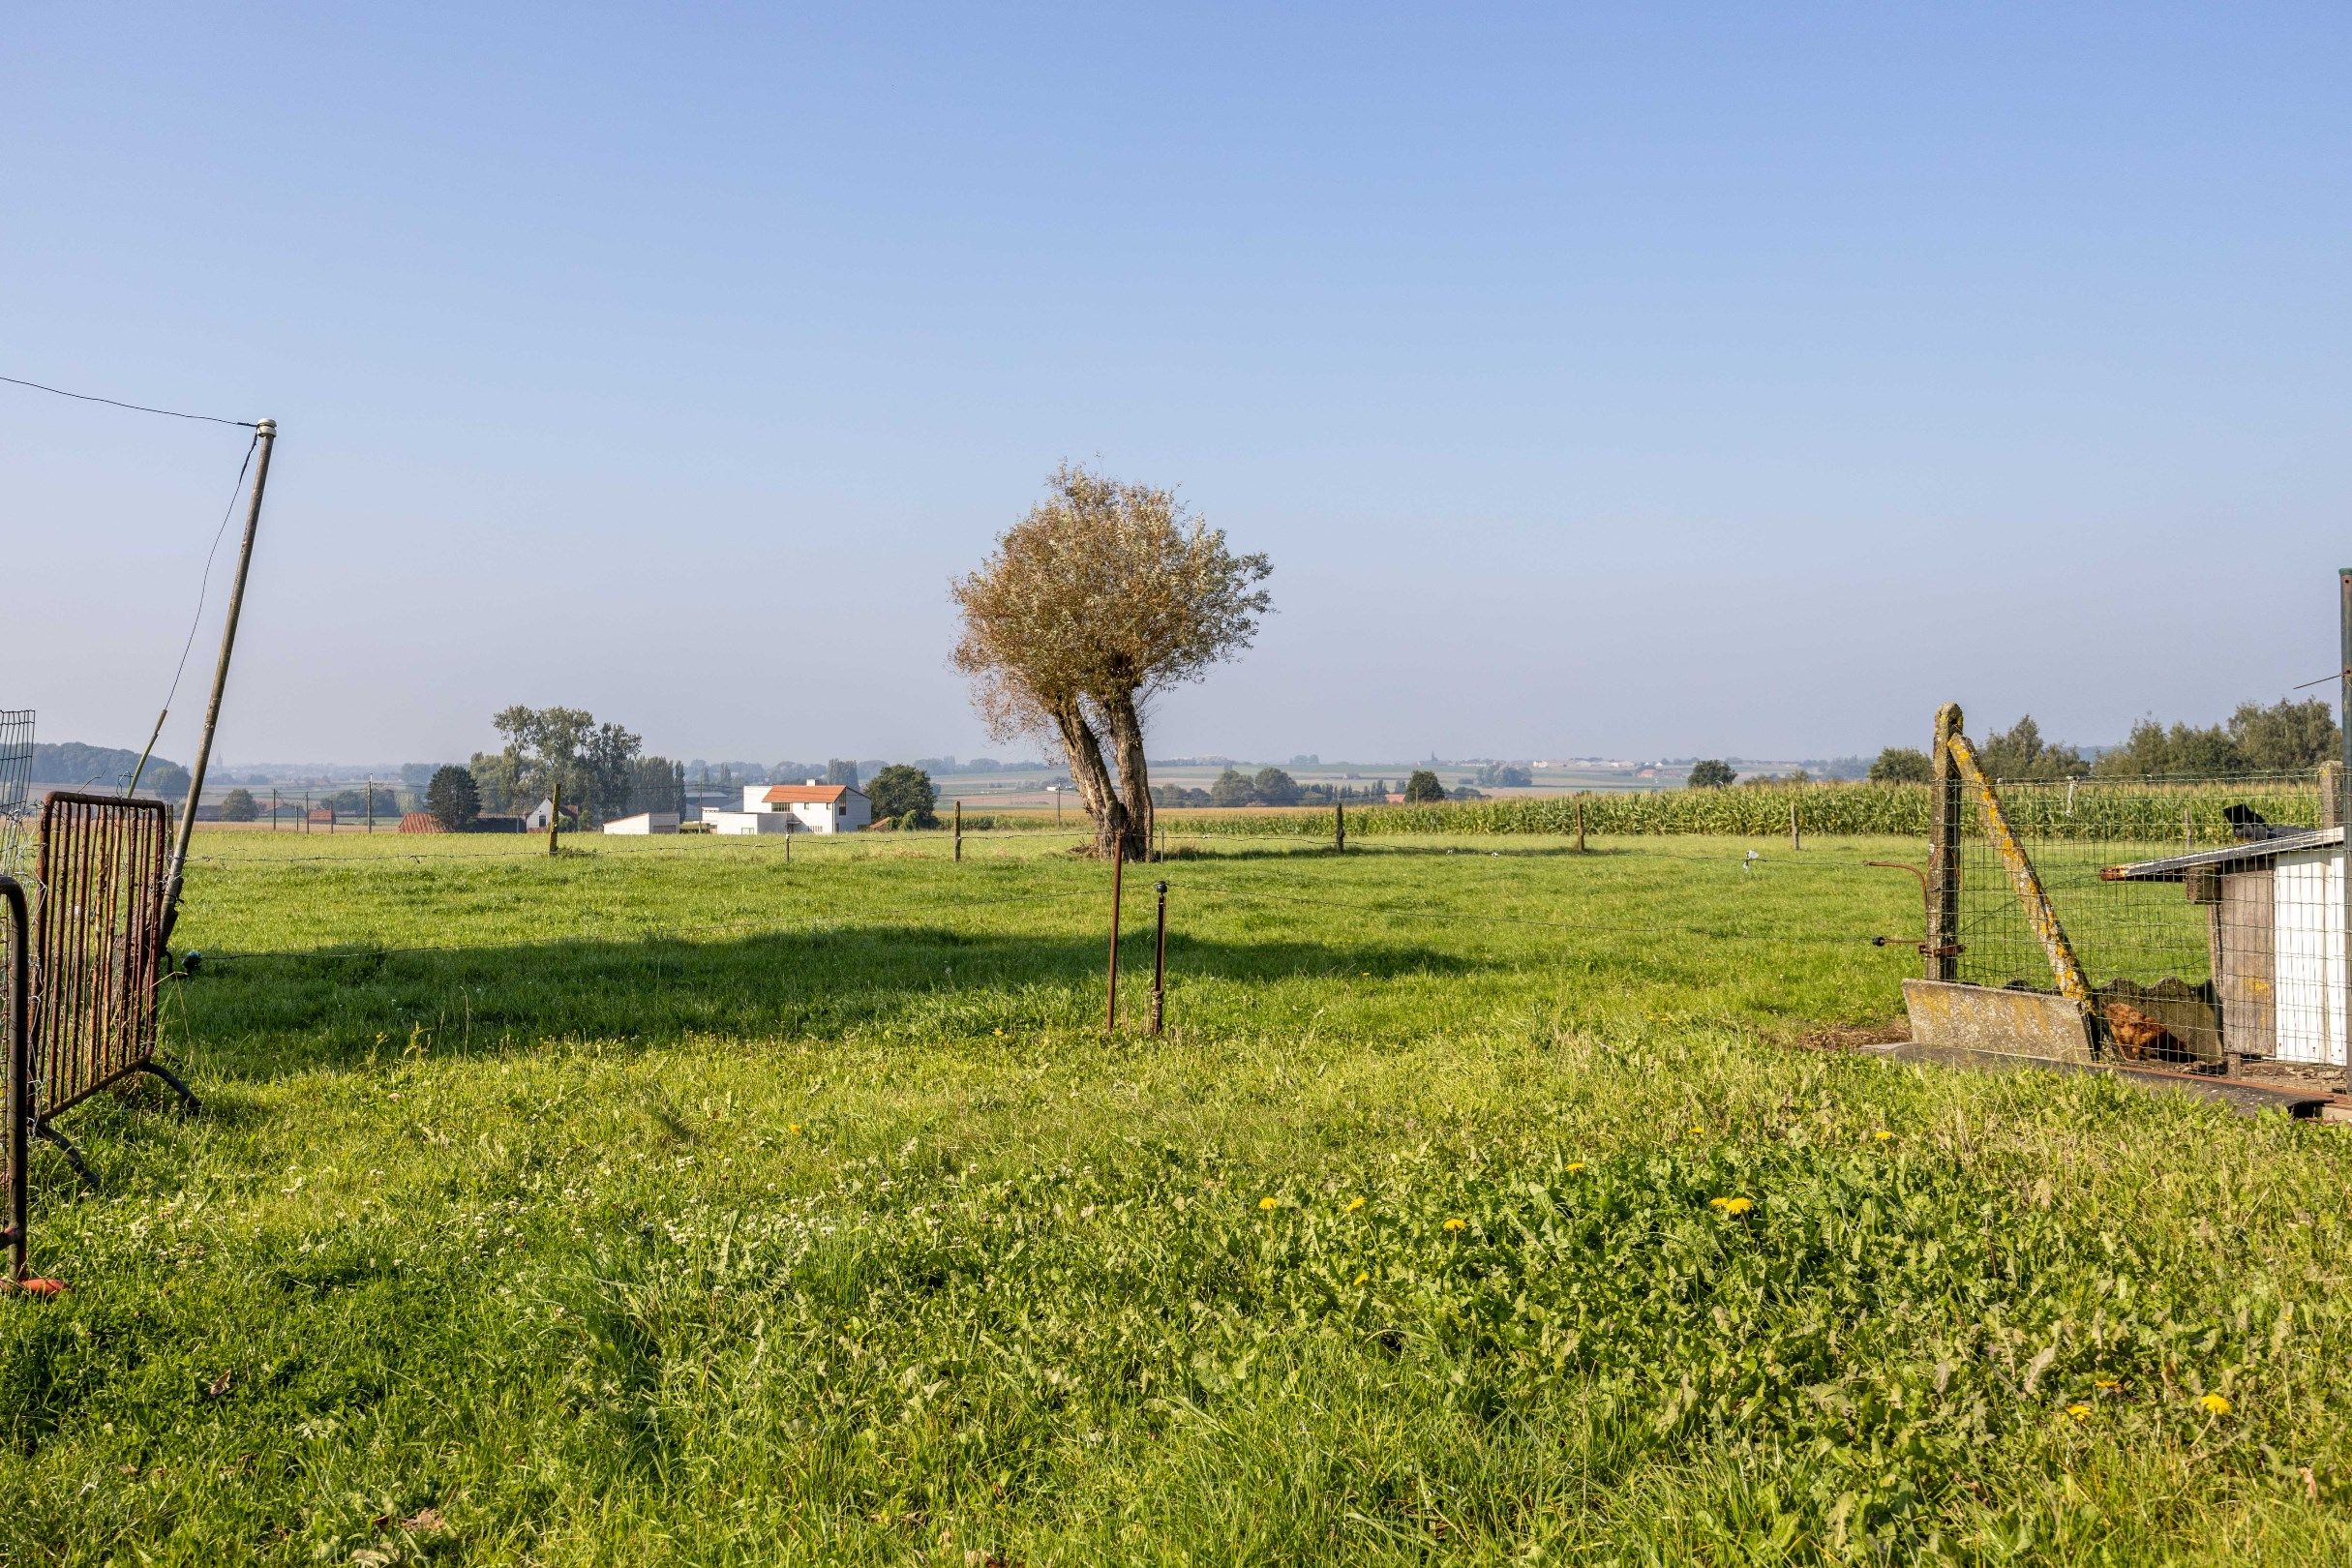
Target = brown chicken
(2136,1034)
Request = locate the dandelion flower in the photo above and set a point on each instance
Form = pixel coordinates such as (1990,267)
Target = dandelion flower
(2107,1385)
(1364,1275)
(791,1127)
(1881,1134)
(1354,1203)
(1732,1205)
(2212,1405)
(1698,1132)
(2080,1412)
(1269,1203)
(1574,1166)
(1457,1225)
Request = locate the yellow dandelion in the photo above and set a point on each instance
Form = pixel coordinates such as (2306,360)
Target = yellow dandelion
(1698,1132)
(2080,1412)
(999,1033)
(2212,1405)
(1458,1224)
(1269,1203)
(1354,1203)
(2107,1385)
(1574,1166)
(1361,1278)
(1732,1205)
(1881,1134)
(791,1127)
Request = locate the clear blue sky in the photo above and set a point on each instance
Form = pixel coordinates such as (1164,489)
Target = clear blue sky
(1642,380)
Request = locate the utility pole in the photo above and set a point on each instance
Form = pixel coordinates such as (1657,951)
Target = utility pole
(265,438)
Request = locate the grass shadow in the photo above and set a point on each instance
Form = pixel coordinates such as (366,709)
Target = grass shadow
(264,1016)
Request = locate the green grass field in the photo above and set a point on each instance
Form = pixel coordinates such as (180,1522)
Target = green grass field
(669,1203)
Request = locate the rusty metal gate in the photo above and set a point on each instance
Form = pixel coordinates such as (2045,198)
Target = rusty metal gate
(15,1001)
(97,950)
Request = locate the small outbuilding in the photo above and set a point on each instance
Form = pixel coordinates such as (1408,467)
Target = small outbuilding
(644,822)
(2275,924)
(421,822)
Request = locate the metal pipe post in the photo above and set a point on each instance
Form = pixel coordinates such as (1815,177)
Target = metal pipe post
(1159,962)
(265,438)
(1110,1006)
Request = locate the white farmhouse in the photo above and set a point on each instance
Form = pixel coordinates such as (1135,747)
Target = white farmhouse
(795,808)
(644,822)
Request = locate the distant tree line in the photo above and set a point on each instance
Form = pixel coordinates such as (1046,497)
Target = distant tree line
(76,766)
(2284,736)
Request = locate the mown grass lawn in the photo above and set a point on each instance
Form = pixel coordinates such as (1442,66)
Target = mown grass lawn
(1483,1201)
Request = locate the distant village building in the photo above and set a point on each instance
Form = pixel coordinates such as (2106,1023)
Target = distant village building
(536,819)
(644,822)
(421,822)
(795,808)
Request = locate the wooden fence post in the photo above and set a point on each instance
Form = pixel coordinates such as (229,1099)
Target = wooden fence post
(1797,836)
(1580,824)
(959,830)
(1338,818)
(555,815)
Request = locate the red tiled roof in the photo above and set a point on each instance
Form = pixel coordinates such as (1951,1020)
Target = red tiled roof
(420,822)
(806,793)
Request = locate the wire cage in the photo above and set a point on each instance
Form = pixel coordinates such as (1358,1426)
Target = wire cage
(16,788)
(2205,915)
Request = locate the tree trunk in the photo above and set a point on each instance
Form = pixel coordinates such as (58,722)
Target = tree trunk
(1134,773)
(1088,771)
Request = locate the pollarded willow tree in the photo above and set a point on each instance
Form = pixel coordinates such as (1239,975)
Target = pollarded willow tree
(1104,596)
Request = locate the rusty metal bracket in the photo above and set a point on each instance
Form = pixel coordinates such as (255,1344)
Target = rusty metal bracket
(1927,898)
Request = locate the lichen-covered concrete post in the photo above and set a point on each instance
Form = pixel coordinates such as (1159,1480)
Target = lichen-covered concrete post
(1944,851)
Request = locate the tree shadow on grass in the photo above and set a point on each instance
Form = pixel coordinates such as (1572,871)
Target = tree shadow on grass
(265,1016)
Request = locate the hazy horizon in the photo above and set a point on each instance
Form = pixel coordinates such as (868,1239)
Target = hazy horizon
(1643,383)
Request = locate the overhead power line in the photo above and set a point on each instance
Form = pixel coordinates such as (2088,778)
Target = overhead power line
(135,407)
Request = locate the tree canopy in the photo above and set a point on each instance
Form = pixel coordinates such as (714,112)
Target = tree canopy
(452,798)
(1423,787)
(1902,765)
(1106,594)
(904,795)
(1711,773)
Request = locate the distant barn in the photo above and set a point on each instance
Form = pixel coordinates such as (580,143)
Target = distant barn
(421,822)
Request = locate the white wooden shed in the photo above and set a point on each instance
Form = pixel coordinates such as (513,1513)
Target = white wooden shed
(2275,910)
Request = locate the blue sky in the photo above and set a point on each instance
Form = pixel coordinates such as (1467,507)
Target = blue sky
(1638,381)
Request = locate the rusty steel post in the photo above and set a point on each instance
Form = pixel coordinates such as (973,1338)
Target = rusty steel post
(1110,1006)
(265,438)
(1160,961)
(1941,950)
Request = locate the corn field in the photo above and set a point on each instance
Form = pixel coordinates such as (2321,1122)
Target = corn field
(2157,811)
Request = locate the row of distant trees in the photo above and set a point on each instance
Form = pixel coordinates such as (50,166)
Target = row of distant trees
(2284,736)
(1269,787)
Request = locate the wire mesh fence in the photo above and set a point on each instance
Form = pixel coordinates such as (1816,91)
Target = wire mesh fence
(2204,916)
(16,787)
